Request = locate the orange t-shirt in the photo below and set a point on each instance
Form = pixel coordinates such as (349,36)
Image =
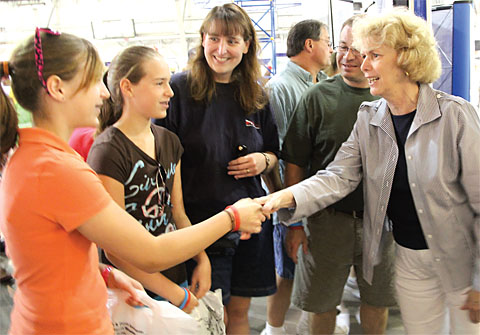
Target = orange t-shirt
(46,192)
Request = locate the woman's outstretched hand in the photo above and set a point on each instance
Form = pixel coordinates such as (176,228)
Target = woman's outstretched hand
(273,202)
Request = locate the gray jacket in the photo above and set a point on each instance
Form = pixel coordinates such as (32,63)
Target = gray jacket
(443,162)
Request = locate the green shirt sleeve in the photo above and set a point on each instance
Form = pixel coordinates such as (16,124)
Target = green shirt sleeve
(297,145)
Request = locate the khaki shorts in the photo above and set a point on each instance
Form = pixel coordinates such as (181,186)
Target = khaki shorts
(334,245)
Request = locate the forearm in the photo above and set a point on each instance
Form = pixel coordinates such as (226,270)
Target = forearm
(293,174)
(194,240)
(273,179)
(155,282)
(180,217)
(182,221)
(271,161)
(132,243)
(201,257)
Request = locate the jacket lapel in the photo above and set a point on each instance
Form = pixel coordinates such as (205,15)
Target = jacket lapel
(427,108)
(383,119)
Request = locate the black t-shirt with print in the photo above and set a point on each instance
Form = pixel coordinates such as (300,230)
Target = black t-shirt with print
(147,182)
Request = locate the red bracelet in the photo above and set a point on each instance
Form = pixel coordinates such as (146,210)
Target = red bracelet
(106,273)
(295,227)
(237,217)
(188,299)
(232,218)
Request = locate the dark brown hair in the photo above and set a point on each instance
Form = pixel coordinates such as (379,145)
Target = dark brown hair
(231,20)
(300,32)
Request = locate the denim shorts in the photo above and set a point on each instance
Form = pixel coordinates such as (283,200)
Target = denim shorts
(248,270)
(284,265)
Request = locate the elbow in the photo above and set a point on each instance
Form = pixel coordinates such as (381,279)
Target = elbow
(152,265)
(156,257)
(145,263)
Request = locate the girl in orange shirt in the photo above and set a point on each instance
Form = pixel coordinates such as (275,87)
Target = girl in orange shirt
(54,209)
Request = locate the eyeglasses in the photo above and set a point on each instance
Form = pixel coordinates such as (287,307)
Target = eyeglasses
(329,43)
(344,50)
(154,211)
(39,53)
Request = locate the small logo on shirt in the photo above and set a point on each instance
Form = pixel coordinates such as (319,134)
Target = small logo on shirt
(249,123)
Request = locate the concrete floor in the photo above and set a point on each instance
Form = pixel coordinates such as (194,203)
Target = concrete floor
(257,317)
(257,314)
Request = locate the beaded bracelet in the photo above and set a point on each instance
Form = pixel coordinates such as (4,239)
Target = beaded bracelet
(106,273)
(236,215)
(186,299)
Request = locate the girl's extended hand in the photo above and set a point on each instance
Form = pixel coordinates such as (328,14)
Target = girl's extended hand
(251,215)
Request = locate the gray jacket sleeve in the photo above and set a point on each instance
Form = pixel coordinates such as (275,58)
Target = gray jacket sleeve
(326,187)
(468,139)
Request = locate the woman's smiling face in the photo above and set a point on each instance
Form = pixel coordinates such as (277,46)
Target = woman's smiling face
(223,53)
(381,69)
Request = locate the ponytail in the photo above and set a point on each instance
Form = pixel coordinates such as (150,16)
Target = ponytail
(8,118)
(109,113)
(128,64)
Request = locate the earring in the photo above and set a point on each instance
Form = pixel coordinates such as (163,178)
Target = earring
(406,73)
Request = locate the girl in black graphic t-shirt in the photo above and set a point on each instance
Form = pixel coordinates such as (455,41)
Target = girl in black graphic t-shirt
(139,165)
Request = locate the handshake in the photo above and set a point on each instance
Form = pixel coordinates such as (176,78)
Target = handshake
(252,212)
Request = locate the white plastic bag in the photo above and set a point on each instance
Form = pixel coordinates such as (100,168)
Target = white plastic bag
(209,314)
(158,318)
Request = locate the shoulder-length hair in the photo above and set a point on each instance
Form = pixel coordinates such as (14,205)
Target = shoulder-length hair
(229,20)
(409,35)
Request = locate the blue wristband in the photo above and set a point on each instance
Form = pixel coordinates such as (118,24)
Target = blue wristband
(185,299)
(296,224)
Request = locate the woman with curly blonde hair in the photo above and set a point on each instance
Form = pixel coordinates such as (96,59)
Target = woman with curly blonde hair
(417,152)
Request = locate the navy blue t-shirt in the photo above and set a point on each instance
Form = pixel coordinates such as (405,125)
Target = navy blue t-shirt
(210,134)
(407,230)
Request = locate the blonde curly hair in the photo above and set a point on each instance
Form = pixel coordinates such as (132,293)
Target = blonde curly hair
(409,35)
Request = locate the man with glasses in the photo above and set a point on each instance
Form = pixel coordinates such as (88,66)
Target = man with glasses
(332,239)
(308,50)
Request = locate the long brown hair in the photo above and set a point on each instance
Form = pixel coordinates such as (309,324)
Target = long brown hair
(127,64)
(64,55)
(231,20)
